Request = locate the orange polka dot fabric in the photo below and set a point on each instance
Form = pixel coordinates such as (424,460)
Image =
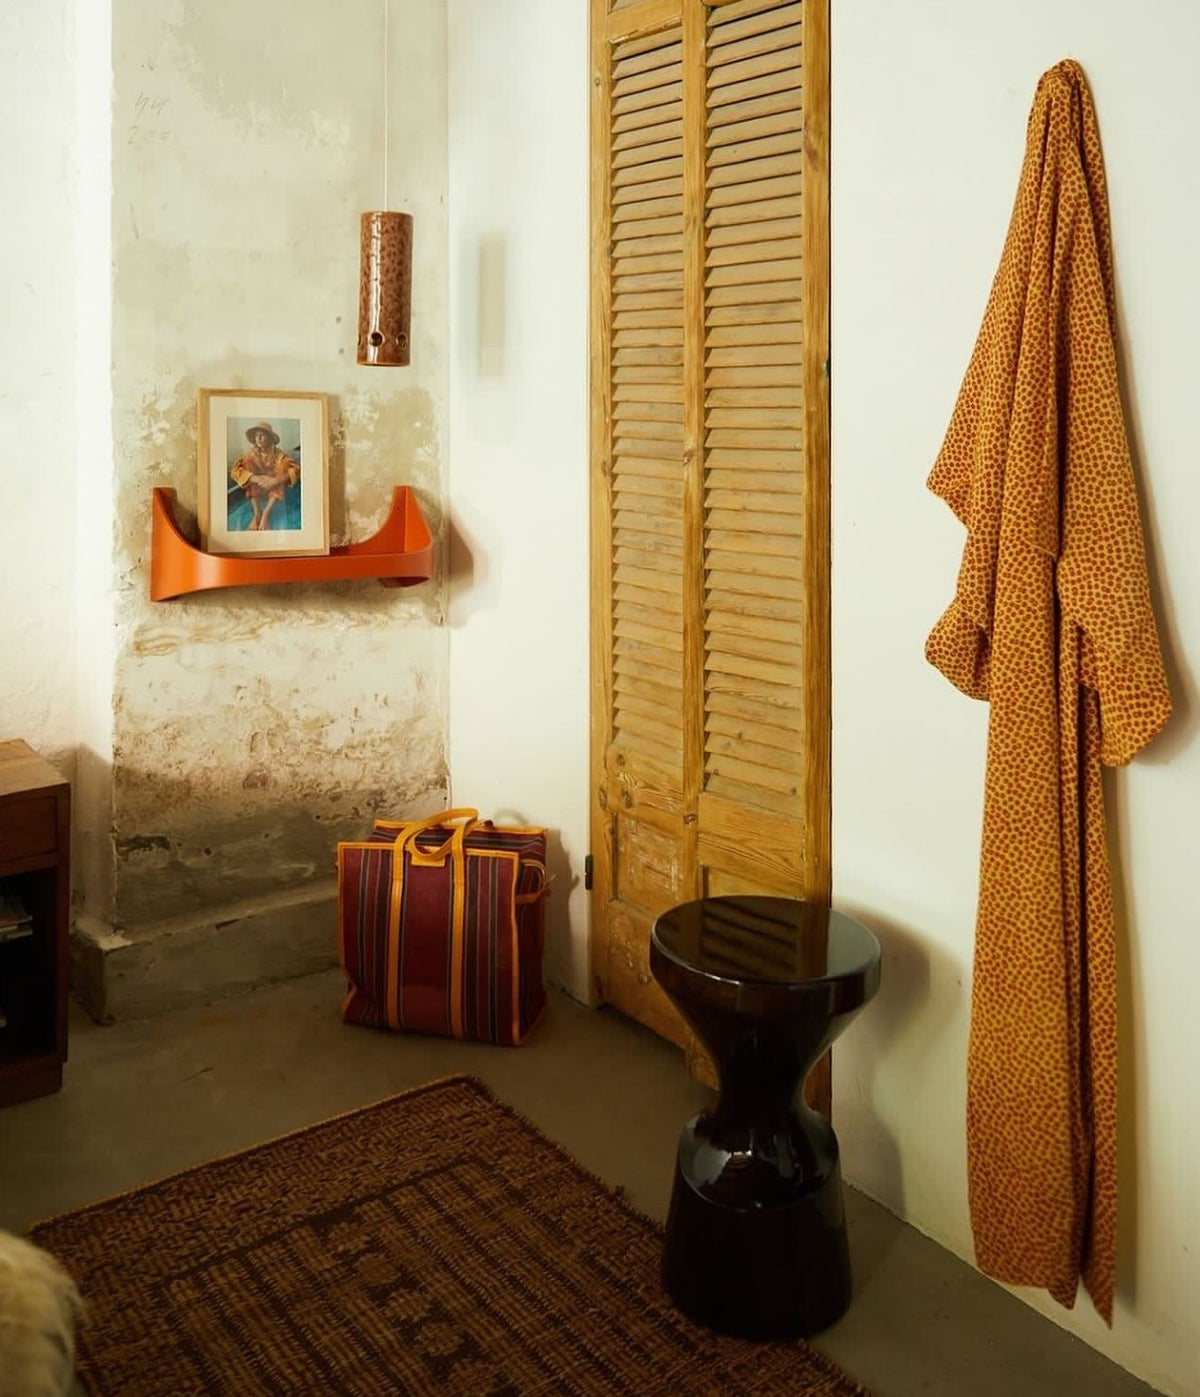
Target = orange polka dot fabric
(1052,624)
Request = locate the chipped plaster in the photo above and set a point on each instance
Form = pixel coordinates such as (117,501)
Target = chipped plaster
(254,727)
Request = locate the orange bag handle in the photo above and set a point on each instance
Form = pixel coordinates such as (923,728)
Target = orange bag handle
(464,820)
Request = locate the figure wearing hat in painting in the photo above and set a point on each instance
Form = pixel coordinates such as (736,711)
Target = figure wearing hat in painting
(264,472)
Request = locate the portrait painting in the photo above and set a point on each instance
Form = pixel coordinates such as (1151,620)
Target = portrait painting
(263,473)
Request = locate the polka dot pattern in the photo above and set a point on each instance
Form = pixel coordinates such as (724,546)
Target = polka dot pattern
(1052,624)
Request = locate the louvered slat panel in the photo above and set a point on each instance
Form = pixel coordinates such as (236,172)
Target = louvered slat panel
(640,133)
(636,594)
(652,180)
(646,345)
(761,191)
(640,356)
(783,21)
(652,703)
(742,727)
(769,608)
(646,475)
(745,745)
(646,540)
(649,409)
(771,568)
(662,62)
(729,12)
(754,409)
(761,34)
(781,462)
(753,109)
(742,294)
(754,356)
(651,579)
(655,196)
(775,417)
(752,438)
(646,150)
(649,449)
(759,313)
(765,641)
(759,543)
(730,68)
(756,481)
(766,718)
(651,662)
(768,250)
(647,638)
(743,146)
(779,332)
(772,83)
(647,615)
(653,118)
(730,234)
(748,587)
(656,437)
(643,244)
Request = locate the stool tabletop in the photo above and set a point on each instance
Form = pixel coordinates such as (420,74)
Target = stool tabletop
(765,941)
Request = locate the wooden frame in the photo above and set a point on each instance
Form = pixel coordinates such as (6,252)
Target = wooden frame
(263,473)
(693,380)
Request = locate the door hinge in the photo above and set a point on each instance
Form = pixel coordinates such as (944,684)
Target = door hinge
(588,866)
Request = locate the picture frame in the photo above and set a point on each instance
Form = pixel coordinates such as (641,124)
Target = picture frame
(263,472)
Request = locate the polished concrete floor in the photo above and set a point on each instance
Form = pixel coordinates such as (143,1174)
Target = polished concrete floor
(143,1099)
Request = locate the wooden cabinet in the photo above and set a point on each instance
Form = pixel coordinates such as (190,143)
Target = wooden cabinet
(35,874)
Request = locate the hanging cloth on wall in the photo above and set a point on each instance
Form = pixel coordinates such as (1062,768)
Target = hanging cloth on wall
(1052,624)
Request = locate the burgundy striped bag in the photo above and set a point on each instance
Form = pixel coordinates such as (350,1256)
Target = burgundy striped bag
(441,927)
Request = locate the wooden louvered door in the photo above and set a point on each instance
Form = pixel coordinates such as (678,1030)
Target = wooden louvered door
(710,651)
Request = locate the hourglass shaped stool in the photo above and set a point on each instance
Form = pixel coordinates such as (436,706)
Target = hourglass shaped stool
(756,1233)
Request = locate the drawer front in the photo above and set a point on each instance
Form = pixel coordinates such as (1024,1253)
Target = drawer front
(27,828)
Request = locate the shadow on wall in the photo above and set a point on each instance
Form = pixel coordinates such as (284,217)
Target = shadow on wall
(563,881)
(491,310)
(466,573)
(1131,1033)
(1177,735)
(902,1044)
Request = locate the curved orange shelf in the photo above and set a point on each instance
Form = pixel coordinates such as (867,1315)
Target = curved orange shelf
(399,555)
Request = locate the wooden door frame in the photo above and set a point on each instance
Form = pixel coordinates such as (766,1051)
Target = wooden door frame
(641,18)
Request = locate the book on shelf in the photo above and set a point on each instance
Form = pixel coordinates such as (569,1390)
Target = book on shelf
(15,921)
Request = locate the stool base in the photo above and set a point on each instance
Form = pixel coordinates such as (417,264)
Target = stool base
(777,1272)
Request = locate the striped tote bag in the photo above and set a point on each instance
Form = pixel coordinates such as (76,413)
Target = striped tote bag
(441,927)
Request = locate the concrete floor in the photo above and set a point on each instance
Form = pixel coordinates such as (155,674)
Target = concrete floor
(142,1099)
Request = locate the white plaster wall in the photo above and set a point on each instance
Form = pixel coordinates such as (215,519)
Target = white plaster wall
(930,104)
(518,181)
(37,378)
(56,645)
(94,591)
(255,726)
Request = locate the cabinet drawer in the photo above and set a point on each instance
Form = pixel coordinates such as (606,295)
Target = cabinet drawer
(27,828)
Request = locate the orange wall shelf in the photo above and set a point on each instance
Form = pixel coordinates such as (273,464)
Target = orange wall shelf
(399,555)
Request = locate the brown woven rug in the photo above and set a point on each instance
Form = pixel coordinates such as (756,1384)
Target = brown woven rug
(432,1243)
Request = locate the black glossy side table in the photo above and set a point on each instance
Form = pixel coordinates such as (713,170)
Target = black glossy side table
(756,1233)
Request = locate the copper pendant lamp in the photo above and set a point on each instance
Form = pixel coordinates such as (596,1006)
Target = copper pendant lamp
(385,267)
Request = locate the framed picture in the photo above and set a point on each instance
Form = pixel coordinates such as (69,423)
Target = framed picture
(264,473)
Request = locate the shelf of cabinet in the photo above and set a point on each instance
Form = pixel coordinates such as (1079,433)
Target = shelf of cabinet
(35,872)
(399,555)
